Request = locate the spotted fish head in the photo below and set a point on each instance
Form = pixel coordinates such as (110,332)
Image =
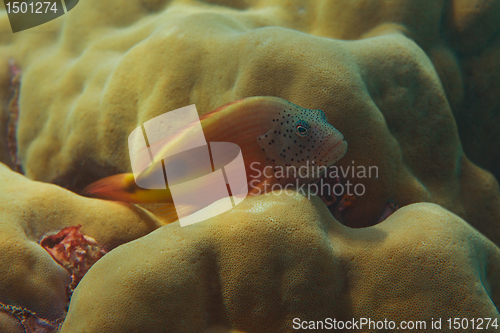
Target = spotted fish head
(302,137)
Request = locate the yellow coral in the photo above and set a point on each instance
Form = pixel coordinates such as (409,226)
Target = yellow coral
(279,257)
(418,78)
(29,277)
(112,67)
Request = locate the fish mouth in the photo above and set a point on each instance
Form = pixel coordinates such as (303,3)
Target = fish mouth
(343,141)
(334,146)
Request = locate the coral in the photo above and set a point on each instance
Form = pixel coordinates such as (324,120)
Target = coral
(390,99)
(478,118)
(275,257)
(30,279)
(412,85)
(74,251)
(15,74)
(21,320)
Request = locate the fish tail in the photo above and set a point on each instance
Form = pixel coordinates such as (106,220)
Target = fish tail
(122,187)
(118,187)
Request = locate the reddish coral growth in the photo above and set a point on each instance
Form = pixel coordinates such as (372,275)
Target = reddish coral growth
(389,208)
(346,201)
(29,321)
(15,81)
(326,189)
(74,251)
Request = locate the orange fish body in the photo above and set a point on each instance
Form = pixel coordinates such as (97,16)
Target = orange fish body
(271,132)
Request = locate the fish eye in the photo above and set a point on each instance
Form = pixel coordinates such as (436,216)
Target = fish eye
(301,130)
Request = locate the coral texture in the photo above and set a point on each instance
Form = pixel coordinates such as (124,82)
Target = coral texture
(412,85)
(279,257)
(29,277)
(110,70)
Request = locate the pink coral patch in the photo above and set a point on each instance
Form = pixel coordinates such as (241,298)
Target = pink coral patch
(27,321)
(74,251)
(13,107)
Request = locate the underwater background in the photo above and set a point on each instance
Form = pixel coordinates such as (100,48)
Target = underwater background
(412,86)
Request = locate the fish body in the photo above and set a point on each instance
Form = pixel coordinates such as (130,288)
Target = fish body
(271,132)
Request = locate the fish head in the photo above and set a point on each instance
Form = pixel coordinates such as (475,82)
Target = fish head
(302,137)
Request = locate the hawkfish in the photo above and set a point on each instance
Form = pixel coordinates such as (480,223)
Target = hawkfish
(272,133)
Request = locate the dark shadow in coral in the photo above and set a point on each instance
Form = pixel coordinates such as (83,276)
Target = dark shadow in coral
(83,173)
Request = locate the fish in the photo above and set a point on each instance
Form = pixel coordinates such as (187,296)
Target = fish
(273,135)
